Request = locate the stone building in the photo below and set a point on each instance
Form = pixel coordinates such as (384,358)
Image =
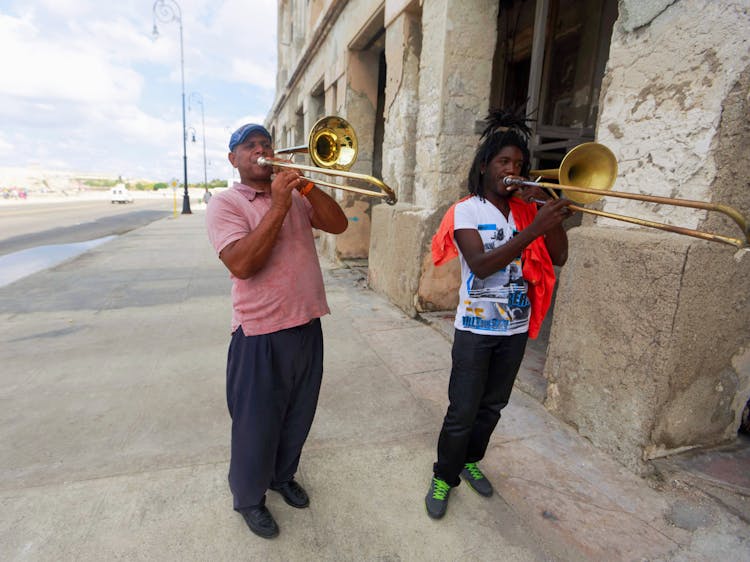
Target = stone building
(648,350)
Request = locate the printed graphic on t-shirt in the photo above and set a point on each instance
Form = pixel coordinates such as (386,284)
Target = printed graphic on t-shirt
(497,303)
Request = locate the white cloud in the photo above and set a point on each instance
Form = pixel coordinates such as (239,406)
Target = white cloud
(250,72)
(39,68)
(84,87)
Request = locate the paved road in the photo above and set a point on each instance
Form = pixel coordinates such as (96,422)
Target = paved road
(30,225)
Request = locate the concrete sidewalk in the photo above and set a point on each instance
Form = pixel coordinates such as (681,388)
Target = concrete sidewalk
(114,434)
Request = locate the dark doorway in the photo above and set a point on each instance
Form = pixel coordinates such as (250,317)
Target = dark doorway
(379,132)
(549,60)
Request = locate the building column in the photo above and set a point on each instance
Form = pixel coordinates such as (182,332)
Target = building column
(453,93)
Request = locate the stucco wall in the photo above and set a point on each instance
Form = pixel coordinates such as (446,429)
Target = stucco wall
(650,340)
(664,91)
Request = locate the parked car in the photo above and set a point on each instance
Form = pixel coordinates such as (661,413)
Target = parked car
(120,194)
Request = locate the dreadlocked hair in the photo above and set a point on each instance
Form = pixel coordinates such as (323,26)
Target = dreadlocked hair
(504,128)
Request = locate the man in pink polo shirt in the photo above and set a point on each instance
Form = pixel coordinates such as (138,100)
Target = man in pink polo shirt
(261,229)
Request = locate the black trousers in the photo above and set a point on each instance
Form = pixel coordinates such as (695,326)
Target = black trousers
(484,370)
(273,382)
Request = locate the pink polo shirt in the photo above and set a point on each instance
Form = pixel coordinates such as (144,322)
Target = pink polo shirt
(289,290)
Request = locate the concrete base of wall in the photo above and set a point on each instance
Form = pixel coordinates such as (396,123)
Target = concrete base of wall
(438,286)
(675,372)
(400,235)
(355,241)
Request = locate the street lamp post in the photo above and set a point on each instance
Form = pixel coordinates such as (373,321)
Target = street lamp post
(199,100)
(167,11)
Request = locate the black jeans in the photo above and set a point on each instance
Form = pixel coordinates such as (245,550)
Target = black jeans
(484,370)
(273,382)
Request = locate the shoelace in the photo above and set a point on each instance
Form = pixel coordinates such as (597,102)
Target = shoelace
(473,469)
(440,489)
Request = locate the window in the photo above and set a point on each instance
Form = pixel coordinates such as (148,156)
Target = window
(560,88)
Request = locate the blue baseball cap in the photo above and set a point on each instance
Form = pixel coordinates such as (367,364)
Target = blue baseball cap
(239,136)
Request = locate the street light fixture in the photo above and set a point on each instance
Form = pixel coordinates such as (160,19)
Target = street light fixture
(195,96)
(167,11)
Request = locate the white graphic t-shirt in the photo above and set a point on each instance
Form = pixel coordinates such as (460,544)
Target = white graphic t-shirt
(497,304)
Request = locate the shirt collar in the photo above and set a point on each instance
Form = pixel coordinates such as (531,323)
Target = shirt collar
(247,191)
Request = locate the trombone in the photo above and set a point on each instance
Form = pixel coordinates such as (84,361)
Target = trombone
(332,146)
(589,171)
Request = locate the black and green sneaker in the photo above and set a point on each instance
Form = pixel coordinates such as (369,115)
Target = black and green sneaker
(476,480)
(436,500)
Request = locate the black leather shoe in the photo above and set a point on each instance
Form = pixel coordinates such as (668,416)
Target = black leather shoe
(293,494)
(260,521)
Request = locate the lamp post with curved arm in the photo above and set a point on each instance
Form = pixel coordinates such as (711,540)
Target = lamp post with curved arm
(195,96)
(167,11)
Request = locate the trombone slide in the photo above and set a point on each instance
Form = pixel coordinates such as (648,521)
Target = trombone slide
(731,212)
(385,193)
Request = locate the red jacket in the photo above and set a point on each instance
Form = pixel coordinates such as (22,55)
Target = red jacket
(537,265)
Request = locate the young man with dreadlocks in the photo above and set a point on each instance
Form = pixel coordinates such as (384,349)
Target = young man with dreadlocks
(507,247)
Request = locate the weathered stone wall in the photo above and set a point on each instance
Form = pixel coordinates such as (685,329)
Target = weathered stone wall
(645,356)
(667,81)
(454,82)
(709,367)
(437,86)
(403,51)
(320,51)
(650,345)
(715,336)
(360,102)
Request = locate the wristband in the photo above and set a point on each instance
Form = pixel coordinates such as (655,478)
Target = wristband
(307,189)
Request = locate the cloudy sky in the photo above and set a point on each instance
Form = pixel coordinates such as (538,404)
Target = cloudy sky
(84,87)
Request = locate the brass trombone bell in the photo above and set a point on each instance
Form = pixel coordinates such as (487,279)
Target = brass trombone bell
(331,144)
(332,147)
(591,165)
(588,172)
